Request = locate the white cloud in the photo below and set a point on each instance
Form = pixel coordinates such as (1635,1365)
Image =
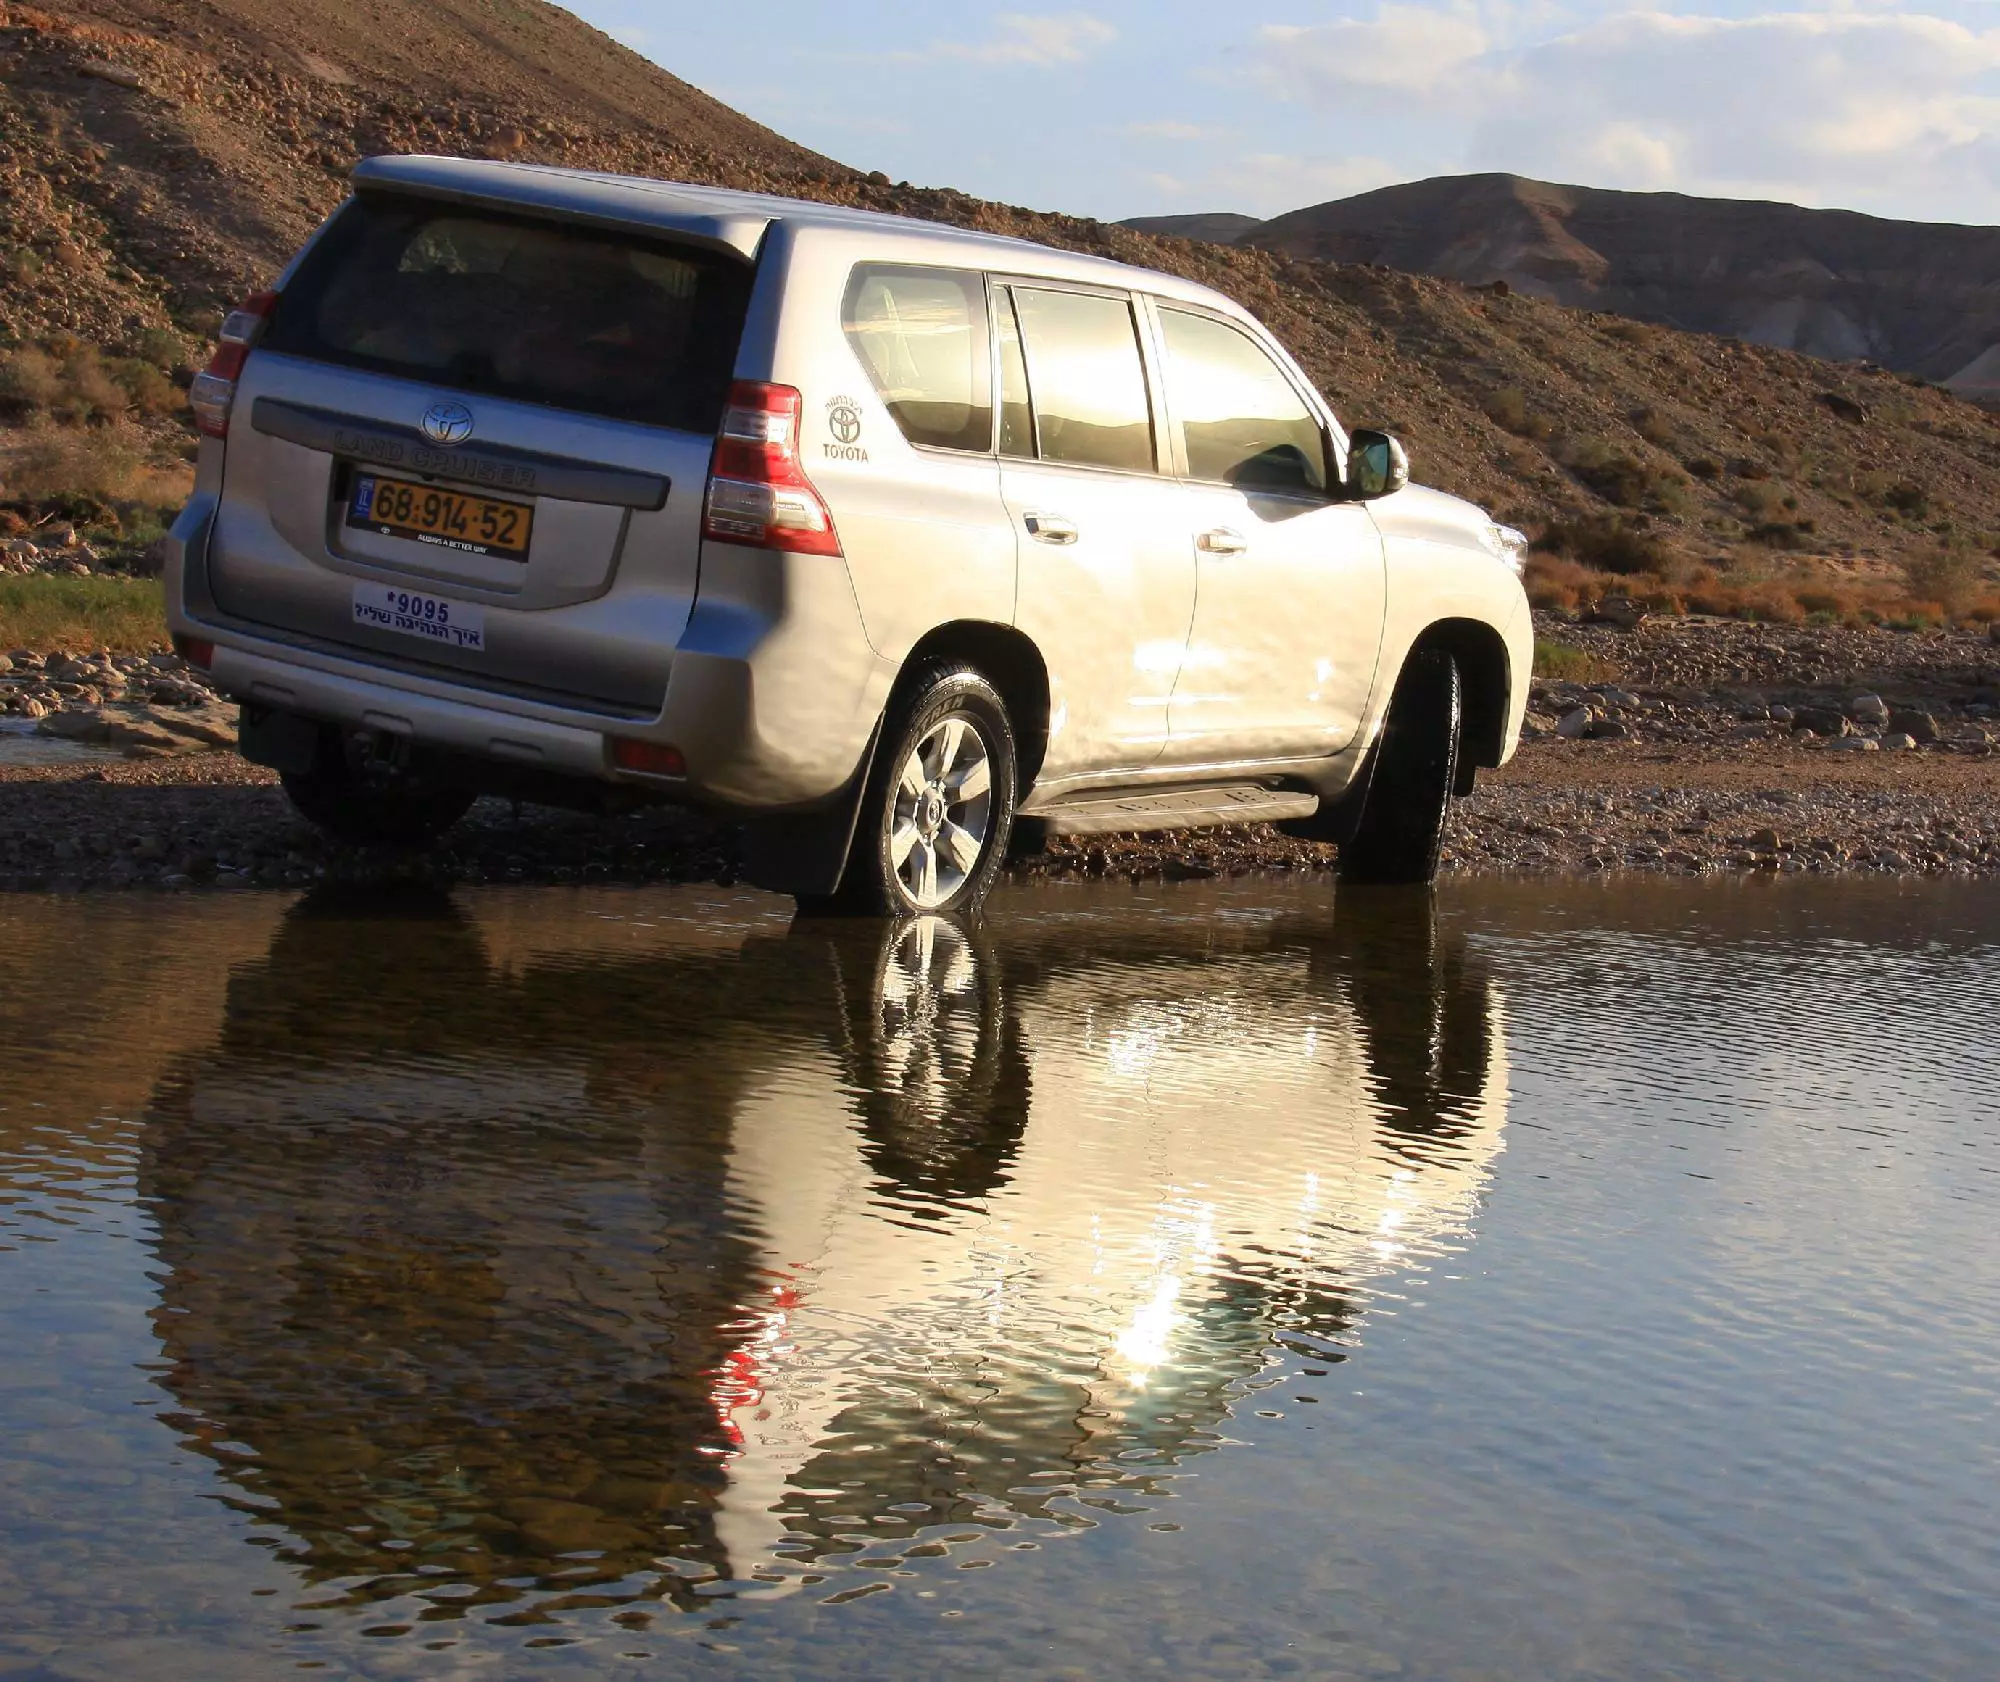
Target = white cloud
(1405,50)
(1031,38)
(1897,109)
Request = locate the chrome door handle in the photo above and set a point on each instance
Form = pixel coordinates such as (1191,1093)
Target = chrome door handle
(1221,541)
(1050,528)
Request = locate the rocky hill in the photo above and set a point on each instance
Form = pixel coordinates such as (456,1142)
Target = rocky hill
(1917,297)
(158,159)
(1224,227)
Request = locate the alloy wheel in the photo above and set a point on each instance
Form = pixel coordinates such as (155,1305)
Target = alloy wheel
(943,812)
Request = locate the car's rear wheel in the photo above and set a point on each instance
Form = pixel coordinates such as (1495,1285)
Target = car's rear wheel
(932,830)
(370,806)
(1402,822)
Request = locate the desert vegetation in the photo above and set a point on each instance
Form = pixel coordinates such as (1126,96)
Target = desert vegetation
(79,615)
(95,446)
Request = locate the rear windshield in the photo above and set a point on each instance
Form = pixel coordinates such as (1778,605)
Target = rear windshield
(610,324)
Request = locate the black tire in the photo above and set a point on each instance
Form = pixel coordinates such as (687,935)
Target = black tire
(874,884)
(1416,767)
(371,808)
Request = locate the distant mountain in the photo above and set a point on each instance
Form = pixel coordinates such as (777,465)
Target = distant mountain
(1922,298)
(1219,227)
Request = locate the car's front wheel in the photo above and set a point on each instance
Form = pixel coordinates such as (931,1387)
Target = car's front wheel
(933,826)
(1402,821)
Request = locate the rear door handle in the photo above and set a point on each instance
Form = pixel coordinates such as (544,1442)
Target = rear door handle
(1221,541)
(1050,528)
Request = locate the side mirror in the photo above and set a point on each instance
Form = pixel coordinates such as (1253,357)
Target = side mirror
(1377,465)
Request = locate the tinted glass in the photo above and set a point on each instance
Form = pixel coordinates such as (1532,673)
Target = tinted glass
(921,334)
(1017,420)
(1088,382)
(576,318)
(1240,418)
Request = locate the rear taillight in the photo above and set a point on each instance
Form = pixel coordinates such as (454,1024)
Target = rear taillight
(214,390)
(758,494)
(656,759)
(196,651)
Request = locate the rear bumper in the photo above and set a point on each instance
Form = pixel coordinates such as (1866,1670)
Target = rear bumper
(772,698)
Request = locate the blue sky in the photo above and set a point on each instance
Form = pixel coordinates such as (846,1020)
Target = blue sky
(1119,109)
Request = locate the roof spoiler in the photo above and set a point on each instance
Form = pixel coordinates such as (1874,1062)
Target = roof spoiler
(695,215)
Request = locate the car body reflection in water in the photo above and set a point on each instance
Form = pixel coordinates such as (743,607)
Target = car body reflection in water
(511,1275)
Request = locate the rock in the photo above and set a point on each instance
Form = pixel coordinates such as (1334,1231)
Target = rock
(1897,742)
(1919,725)
(31,708)
(1621,611)
(213,725)
(1821,721)
(1781,715)
(1868,709)
(6,665)
(1576,724)
(1843,408)
(1623,698)
(1765,841)
(1857,744)
(143,739)
(122,75)
(1608,730)
(78,724)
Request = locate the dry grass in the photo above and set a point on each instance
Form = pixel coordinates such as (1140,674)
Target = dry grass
(112,464)
(45,613)
(77,384)
(1951,586)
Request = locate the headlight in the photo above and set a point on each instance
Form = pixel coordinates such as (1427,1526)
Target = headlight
(1508,545)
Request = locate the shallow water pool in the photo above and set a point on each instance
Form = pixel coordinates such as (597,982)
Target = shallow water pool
(1214,1280)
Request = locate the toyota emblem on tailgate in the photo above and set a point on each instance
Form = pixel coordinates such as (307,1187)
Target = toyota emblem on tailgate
(447,423)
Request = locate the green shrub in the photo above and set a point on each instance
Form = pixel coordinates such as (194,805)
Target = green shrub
(1566,663)
(1607,543)
(1949,577)
(50,611)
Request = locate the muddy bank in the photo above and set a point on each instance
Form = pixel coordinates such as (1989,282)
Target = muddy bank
(214,821)
(1695,747)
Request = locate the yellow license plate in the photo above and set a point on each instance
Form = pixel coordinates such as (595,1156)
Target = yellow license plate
(473,525)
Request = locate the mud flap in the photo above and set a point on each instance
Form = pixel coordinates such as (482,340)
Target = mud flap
(806,852)
(284,741)
(1337,821)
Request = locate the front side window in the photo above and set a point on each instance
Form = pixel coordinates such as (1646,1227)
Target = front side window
(921,334)
(1241,421)
(1087,381)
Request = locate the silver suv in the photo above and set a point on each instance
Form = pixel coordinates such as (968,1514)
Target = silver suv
(887,538)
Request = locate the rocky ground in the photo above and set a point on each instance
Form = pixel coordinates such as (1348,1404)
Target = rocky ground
(150,706)
(57,548)
(1717,747)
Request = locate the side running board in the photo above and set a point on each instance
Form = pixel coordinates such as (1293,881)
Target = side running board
(1200,807)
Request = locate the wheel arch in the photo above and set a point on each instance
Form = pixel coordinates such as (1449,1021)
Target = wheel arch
(1486,682)
(1012,664)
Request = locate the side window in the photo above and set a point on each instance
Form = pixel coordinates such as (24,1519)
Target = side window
(1088,383)
(1240,419)
(921,334)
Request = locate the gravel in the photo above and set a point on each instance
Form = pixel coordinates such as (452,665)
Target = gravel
(1718,747)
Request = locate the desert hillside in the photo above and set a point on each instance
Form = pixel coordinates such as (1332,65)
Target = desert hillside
(158,159)
(1917,297)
